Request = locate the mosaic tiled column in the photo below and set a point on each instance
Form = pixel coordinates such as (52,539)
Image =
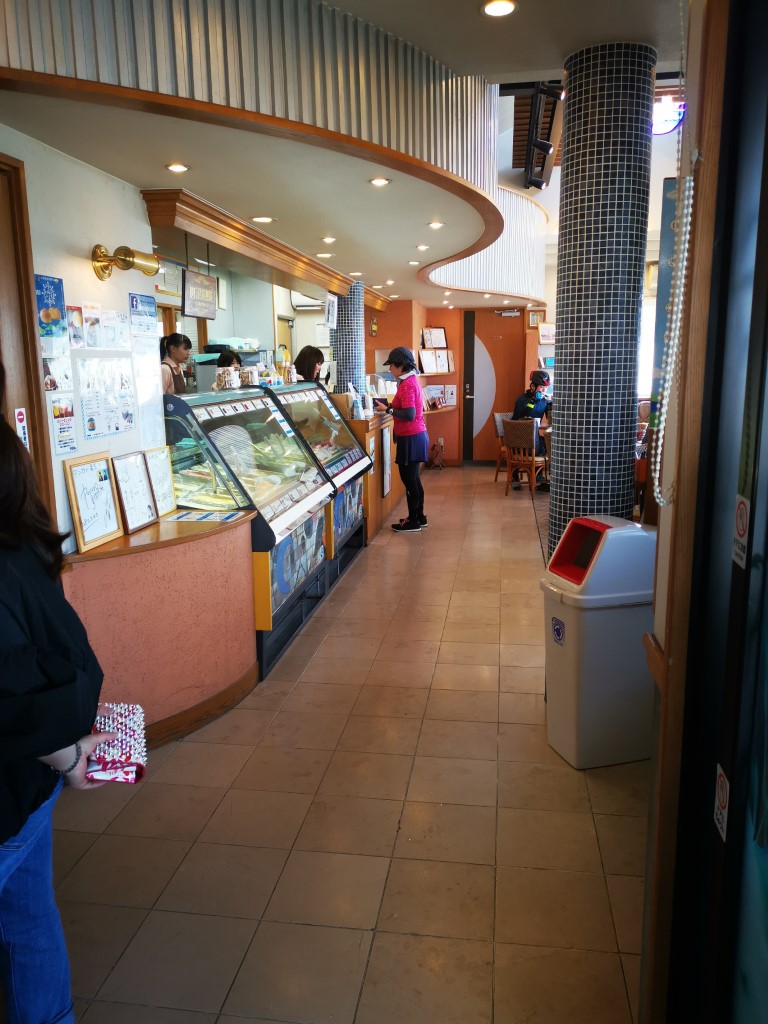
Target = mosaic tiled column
(606,168)
(348,340)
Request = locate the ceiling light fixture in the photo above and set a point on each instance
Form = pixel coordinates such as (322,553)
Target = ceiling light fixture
(555,92)
(380,182)
(262,220)
(487,295)
(436,225)
(422,248)
(329,240)
(538,183)
(451,307)
(498,8)
(323,255)
(505,302)
(389,282)
(355,273)
(378,286)
(413,263)
(394,296)
(177,168)
(445,302)
(446,293)
(544,146)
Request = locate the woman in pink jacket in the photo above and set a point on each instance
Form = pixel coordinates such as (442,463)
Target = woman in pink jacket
(410,434)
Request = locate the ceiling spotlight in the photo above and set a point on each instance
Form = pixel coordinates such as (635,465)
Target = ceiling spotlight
(394,296)
(451,307)
(498,8)
(389,282)
(537,183)
(413,263)
(380,182)
(435,225)
(262,220)
(177,168)
(487,295)
(544,146)
(505,302)
(378,286)
(555,92)
(422,248)
(323,255)
(446,293)
(445,302)
(356,273)
(328,240)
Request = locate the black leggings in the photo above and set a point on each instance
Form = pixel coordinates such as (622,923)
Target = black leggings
(414,492)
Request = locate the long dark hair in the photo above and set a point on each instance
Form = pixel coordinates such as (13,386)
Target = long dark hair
(229,358)
(175,340)
(307,360)
(24,519)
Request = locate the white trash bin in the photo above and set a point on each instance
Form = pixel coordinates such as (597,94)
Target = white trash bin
(598,590)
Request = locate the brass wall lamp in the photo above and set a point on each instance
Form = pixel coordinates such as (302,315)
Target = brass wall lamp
(124,258)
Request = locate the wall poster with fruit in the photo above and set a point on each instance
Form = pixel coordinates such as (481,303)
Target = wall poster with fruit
(52,321)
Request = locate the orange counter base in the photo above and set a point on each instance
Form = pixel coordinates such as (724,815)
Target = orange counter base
(377,508)
(171,620)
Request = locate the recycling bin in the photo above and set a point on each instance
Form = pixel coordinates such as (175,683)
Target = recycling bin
(598,590)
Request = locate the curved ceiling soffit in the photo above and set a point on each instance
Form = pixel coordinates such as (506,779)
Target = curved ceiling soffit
(59,86)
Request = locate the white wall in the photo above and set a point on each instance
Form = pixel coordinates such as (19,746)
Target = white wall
(71,208)
(252,310)
(304,321)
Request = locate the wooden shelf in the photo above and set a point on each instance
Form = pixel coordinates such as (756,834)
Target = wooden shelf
(441,373)
(435,412)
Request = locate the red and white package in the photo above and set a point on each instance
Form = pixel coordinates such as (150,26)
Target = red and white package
(124,758)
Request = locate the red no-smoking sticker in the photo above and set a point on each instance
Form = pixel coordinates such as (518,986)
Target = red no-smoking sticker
(740,531)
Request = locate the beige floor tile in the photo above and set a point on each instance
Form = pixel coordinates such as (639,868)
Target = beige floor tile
(187,961)
(75,811)
(305,646)
(555,986)
(339,647)
(93,949)
(468,654)
(318,626)
(447,832)
(466,677)
(249,818)
(157,757)
(543,787)
(331,607)
(129,1013)
(267,695)
(526,743)
(202,764)
(425,594)
(409,652)
(400,630)
(622,843)
(515,679)
(453,780)
(226,881)
(283,771)
(419,611)
(297,972)
(631,965)
(360,629)
(339,671)
(391,701)
(378,735)
(68,848)
(381,612)
(473,599)
(522,655)
(531,635)
(620,788)
(289,668)
(477,585)
(626,895)
(563,840)
(167,812)
(413,979)
(355,773)
(463,705)
(297,729)
(240,726)
(350,825)
(522,708)
(335,889)
(435,898)
(328,698)
(567,909)
(471,614)
(458,739)
(125,871)
(414,676)
(473,633)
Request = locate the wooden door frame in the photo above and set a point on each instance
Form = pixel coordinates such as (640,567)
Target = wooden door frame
(13,171)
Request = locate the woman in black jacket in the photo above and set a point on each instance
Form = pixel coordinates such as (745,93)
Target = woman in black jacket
(49,690)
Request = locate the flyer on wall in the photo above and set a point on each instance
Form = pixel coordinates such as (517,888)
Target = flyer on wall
(92,323)
(75,327)
(57,373)
(143,310)
(108,328)
(51,311)
(62,418)
(123,331)
(149,391)
(107,401)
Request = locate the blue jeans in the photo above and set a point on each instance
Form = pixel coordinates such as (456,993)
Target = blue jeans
(34,967)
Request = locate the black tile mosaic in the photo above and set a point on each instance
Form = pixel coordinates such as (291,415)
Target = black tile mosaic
(348,340)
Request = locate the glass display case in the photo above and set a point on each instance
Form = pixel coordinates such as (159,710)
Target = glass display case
(323,428)
(236,449)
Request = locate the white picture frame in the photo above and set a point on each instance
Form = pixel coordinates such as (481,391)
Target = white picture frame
(427,357)
(93,499)
(161,479)
(137,502)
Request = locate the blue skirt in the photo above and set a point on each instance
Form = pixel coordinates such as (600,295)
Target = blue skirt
(412,448)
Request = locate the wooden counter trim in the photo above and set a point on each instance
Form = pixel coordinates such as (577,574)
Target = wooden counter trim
(159,535)
(175,727)
(657,660)
(40,84)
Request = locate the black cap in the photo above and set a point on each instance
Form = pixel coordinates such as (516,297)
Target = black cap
(539,378)
(400,355)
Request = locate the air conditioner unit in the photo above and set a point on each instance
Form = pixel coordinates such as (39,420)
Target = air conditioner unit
(507,312)
(299,301)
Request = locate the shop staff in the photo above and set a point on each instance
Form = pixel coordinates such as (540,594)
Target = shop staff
(174,353)
(309,363)
(229,358)
(411,436)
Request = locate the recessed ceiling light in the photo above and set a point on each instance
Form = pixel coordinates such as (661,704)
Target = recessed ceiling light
(487,295)
(323,255)
(378,286)
(380,182)
(445,302)
(422,248)
(451,307)
(355,273)
(505,302)
(394,296)
(329,240)
(446,293)
(498,8)
(435,225)
(203,263)
(413,263)
(389,282)
(177,168)
(262,220)
(155,246)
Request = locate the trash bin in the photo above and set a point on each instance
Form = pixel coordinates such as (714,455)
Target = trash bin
(598,590)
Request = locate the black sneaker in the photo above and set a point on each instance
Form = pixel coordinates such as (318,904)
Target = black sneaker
(405,526)
(422,521)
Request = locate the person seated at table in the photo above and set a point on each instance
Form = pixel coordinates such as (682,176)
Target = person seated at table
(533,404)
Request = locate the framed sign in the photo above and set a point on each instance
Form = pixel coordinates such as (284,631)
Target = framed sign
(428,359)
(199,295)
(331,309)
(451,364)
(135,491)
(546,334)
(442,360)
(161,477)
(434,337)
(535,317)
(93,499)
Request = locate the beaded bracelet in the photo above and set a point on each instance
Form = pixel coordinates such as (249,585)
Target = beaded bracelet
(75,763)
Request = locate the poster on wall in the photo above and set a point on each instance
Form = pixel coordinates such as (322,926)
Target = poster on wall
(75,328)
(386,461)
(92,324)
(57,373)
(107,402)
(108,328)
(143,314)
(331,310)
(51,312)
(122,331)
(62,419)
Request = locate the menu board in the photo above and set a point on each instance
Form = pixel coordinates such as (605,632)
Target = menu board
(93,498)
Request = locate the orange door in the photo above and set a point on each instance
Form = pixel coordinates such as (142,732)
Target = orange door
(499,375)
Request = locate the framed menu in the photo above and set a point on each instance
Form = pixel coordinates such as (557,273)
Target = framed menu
(161,477)
(427,356)
(451,364)
(93,499)
(441,355)
(135,491)
(434,337)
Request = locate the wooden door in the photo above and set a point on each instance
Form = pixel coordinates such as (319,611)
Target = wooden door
(499,376)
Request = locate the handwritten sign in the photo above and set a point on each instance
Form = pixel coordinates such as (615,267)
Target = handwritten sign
(93,497)
(161,477)
(136,499)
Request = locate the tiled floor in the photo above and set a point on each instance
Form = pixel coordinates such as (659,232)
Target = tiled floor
(380,833)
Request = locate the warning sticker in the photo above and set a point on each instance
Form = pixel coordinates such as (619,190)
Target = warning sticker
(721,802)
(558,631)
(740,531)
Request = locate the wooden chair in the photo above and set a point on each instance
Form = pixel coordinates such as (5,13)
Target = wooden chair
(501,454)
(520,445)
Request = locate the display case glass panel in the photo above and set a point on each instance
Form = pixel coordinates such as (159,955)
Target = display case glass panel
(199,478)
(296,557)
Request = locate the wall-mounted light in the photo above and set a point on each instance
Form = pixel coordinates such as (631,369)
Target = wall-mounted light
(124,258)
(555,92)
(537,183)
